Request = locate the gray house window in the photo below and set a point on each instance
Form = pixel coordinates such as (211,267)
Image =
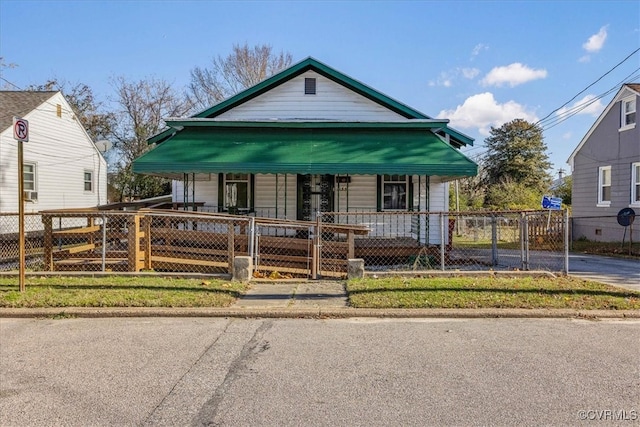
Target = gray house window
(604,186)
(628,113)
(635,184)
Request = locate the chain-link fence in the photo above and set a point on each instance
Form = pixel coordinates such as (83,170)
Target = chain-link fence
(9,249)
(416,241)
(199,242)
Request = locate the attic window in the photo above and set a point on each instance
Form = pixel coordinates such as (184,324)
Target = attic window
(309,86)
(58,110)
(628,113)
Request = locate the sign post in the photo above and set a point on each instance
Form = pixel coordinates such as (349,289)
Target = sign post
(21,134)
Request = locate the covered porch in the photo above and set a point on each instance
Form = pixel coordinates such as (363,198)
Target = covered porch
(295,169)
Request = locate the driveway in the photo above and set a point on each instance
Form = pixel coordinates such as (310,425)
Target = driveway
(613,271)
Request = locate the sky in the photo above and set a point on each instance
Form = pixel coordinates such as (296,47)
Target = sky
(479,64)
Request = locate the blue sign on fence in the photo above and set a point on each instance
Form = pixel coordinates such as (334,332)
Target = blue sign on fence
(553,203)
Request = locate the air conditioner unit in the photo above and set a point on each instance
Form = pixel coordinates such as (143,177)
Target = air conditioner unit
(30,196)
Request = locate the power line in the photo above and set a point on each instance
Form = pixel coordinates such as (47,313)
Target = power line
(585,89)
(554,121)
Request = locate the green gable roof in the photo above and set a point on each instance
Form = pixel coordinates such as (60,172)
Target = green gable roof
(322,69)
(458,138)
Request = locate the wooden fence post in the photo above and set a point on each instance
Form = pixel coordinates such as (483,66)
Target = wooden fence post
(147,243)
(230,244)
(133,242)
(48,242)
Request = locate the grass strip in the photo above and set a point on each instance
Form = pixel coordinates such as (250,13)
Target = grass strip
(116,291)
(489,292)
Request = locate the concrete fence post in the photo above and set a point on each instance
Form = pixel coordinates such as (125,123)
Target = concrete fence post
(355,268)
(242,268)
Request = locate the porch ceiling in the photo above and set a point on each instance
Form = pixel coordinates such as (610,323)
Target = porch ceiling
(305,151)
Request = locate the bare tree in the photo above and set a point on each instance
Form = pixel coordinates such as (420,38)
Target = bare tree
(241,69)
(143,105)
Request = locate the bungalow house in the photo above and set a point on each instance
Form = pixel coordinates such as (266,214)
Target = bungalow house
(307,140)
(63,168)
(606,170)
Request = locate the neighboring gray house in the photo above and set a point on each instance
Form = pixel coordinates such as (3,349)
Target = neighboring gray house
(606,170)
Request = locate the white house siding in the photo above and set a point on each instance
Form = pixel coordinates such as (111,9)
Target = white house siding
(62,151)
(438,202)
(272,204)
(206,191)
(331,102)
(357,196)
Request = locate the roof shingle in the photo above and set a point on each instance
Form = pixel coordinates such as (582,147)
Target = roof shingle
(19,103)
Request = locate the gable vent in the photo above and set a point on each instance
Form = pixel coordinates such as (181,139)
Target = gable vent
(309,86)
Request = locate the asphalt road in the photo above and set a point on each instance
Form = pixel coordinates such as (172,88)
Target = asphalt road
(356,372)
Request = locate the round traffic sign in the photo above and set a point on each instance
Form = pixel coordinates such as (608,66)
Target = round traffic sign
(626,217)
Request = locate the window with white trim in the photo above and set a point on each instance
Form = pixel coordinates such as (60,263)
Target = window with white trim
(29,177)
(628,119)
(395,192)
(604,186)
(635,184)
(236,191)
(88,181)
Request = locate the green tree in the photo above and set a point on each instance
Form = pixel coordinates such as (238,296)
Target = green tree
(516,156)
(142,106)
(509,194)
(242,68)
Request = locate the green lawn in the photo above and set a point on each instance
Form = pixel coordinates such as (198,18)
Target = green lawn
(393,292)
(113,291)
(489,292)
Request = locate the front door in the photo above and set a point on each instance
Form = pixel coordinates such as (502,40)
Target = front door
(315,194)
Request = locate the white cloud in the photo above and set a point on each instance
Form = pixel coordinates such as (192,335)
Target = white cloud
(585,58)
(444,79)
(479,48)
(469,73)
(567,135)
(587,105)
(482,111)
(447,78)
(596,41)
(513,74)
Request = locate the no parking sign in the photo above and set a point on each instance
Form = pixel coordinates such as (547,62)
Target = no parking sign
(20,129)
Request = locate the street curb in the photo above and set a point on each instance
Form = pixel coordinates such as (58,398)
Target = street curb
(313,313)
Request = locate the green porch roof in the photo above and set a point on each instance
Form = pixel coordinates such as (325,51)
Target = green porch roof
(305,151)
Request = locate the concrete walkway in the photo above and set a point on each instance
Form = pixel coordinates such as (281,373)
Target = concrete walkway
(302,295)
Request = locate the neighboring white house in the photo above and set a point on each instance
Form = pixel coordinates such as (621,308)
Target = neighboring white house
(63,168)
